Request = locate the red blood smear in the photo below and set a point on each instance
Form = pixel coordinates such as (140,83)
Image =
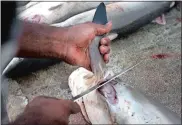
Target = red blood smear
(179,19)
(160,56)
(119,8)
(36,18)
(26,19)
(115,6)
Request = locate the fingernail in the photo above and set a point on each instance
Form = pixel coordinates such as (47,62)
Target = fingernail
(107,61)
(109,23)
(104,41)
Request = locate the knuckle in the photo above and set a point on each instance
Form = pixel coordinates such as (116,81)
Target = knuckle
(109,49)
(102,47)
(37,98)
(89,22)
(107,38)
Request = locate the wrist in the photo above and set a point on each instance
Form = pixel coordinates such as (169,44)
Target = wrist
(38,40)
(60,45)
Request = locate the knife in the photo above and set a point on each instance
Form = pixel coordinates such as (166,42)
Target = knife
(98,65)
(103,83)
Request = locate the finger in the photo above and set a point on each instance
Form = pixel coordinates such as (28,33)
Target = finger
(104,49)
(106,58)
(102,29)
(105,41)
(112,36)
(45,97)
(73,107)
(38,100)
(88,68)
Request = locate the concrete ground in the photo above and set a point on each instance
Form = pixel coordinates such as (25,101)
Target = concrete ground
(159,75)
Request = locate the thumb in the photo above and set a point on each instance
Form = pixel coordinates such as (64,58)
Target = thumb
(73,107)
(103,29)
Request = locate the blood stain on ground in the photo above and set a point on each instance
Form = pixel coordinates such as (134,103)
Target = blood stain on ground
(160,56)
(179,20)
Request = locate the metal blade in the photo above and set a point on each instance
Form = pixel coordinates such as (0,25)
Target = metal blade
(103,83)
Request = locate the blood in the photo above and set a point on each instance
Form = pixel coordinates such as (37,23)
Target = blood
(179,19)
(115,100)
(120,8)
(127,102)
(36,18)
(114,7)
(161,20)
(26,19)
(160,56)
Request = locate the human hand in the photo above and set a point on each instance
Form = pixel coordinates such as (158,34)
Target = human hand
(70,44)
(48,111)
(78,41)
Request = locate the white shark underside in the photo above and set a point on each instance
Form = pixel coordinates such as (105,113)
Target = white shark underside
(117,102)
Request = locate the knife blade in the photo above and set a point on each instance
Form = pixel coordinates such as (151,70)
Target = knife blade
(98,65)
(103,83)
